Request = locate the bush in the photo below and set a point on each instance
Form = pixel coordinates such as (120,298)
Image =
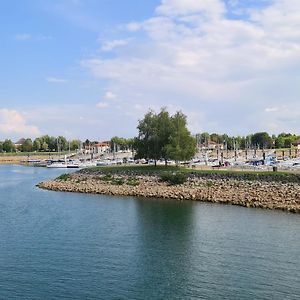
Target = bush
(107,177)
(118,181)
(173,178)
(133,181)
(64,177)
(209,184)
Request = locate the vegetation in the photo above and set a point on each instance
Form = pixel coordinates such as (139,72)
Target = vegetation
(285,177)
(119,143)
(162,136)
(45,143)
(64,177)
(174,178)
(132,181)
(259,140)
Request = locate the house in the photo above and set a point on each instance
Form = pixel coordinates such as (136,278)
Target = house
(19,144)
(296,144)
(101,147)
(97,148)
(211,145)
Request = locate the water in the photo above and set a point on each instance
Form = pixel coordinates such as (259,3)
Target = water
(73,246)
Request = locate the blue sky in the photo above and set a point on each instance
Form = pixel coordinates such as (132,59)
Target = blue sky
(88,68)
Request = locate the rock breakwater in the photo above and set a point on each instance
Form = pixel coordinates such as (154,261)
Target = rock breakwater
(247,193)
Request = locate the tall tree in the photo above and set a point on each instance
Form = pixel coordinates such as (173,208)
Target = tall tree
(8,146)
(37,144)
(147,142)
(181,145)
(27,146)
(262,140)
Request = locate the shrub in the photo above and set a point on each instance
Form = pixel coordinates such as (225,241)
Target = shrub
(64,177)
(107,177)
(133,181)
(118,181)
(175,178)
(209,184)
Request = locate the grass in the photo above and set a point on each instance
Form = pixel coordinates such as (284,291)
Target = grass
(33,153)
(64,177)
(158,169)
(138,169)
(210,174)
(174,178)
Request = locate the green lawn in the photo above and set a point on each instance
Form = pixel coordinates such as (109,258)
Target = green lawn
(221,174)
(33,153)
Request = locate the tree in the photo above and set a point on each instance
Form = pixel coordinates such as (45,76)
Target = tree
(162,136)
(27,146)
(182,145)
(279,142)
(37,145)
(119,143)
(75,145)
(8,146)
(45,146)
(215,137)
(62,143)
(262,140)
(147,143)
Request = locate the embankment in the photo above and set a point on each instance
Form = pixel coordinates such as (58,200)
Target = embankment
(264,190)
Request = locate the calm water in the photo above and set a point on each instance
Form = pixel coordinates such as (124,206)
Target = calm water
(73,246)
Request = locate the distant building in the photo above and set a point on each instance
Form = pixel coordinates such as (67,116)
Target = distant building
(211,145)
(19,144)
(296,144)
(97,148)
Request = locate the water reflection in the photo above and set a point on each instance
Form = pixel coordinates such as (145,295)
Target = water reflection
(164,247)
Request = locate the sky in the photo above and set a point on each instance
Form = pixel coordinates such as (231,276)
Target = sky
(93,68)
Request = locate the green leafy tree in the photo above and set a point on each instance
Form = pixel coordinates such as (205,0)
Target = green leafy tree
(262,140)
(27,146)
(162,136)
(45,146)
(8,146)
(37,144)
(62,143)
(182,145)
(75,145)
(147,142)
(279,142)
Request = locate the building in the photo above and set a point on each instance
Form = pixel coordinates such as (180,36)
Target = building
(19,144)
(97,148)
(211,145)
(102,147)
(296,144)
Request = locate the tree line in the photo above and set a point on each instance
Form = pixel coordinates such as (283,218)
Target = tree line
(259,140)
(45,143)
(160,136)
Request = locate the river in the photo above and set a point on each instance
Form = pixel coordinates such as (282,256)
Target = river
(76,246)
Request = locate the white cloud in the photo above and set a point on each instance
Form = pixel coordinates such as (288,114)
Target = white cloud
(13,123)
(194,57)
(133,26)
(271,109)
(110,95)
(212,8)
(111,45)
(23,37)
(56,80)
(102,105)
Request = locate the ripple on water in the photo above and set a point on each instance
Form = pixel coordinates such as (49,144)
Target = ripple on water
(74,246)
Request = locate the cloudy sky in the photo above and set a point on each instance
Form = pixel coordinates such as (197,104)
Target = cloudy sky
(92,68)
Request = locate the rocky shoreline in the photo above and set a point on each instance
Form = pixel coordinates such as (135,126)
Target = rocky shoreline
(248,193)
